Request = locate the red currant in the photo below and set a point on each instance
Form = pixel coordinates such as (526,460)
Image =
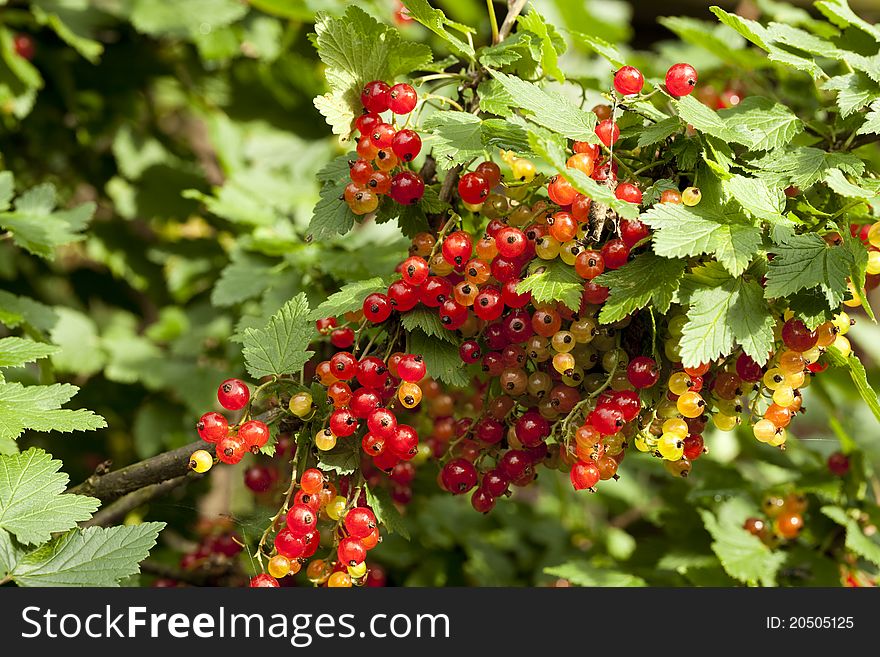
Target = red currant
(457,248)
(403,296)
(412,368)
(382,423)
(343,422)
(511,242)
(642,372)
(473,188)
(490,172)
(798,337)
(633,231)
(231,450)
(343,365)
(377,308)
(482,501)
(407,145)
(531,428)
(681,79)
(351,551)
(263,581)
(360,522)
(375,96)
(628,192)
(488,305)
(407,188)
(255,435)
(469,352)
(838,464)
(212,427)
(359,171)
(404,444)
(366,122)
(259,478)
(628,81)
(584,474)
(402,98)
(342,338)
(459,476)
(233,394)
(608,132)
(301,520)
(372,372)
(615,254)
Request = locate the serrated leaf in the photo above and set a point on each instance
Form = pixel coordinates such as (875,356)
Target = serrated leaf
(722,314)
(659,131)
(549,109)
(33,505)
(854,91)
(441,358)
(681,231)
(582,573)
(343,459)
(647,279)
(743,556)
(553,281)
(756,197)
(871,126)
(427,320)
(859,377)
(551,43)
(436,21)
(807,261)
(38,408)
(331,215)
(386,513)
(855,540)
(410,219)
(839,183)
(357,49)
(349,298)
(804,165)
(839,13)
(601,47)
(720,40)
(456,137)
(80,350)
(96,556)
(811,307)
(281,346)
(247,276)
(18,351)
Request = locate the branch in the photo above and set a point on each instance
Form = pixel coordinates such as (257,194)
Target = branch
(516,8)
(121,507)
(863,140)
(155,470)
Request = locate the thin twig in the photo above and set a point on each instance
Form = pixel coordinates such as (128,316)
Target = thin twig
(121,507)
(514,11)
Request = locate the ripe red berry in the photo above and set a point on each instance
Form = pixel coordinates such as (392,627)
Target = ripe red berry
(382,423)
(488,305)
(531,428)
(512,298)
(259,478)
(351,551)
(452,314)
(482,501)
(406,145)
(404,443)
(264,581)
(435,291)
(372,444)
(628,81)
(377,308)
(407,188)
(457,248)
(255,435)
(415,270)
(693,447)
(511,242)
(376,96)
(681,79)
(403,296)
(595,294)
(628,192)
(606,420)
(363,402)
(798,337)
(490,172)
(24,46)
(473,188)
(233,394)
(633,231)
(615,254)
(342,338)
(382,135)
(366,122)
(372,372)
(469,352)
(360,522)
(289,545)
(312,481)
(642,372)
(459,476)
(402,98)
(627,402)
(360,171)
(607,132)
(301,520)
(412,368)
(212,427)
(584,474)
(838,464)
(748,370)
(231,450)
(325,325)
(342,422)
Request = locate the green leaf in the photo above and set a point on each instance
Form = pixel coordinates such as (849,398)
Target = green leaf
(456,137)
(839,13)
(582,573)
(839,183)
(33,505)
(743,556)
(247,276)
(854,91)
(549,108)
(647,279)
(96,556)
(659,131)
(720,40)
(428,321)
(803,166)
(38,228)
(72,21)
(871,126)
(811,307)
(411,219)
(15,310)
(170,18)
(724,312)
(343,459)
(331,215)
(80,350)
(38,408)
(551,43)
(441,358)
(681,231)
(859,377)
(436,21)
(349,298)
(553,281)
(18,351)
(601,47)
(387,514)
(356,49)
(808,261)
(756,197)
(856,540)
(281,346)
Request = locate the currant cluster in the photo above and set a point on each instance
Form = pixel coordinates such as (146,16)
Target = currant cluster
(783,521)
(869,234)
(383,148)
(232,441)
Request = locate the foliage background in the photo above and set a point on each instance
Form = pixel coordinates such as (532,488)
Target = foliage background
(191,126)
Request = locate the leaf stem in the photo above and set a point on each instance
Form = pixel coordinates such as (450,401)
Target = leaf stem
(492,20)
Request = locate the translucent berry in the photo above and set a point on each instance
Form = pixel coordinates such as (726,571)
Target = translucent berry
(233,394)
(628,81)
(681,79)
